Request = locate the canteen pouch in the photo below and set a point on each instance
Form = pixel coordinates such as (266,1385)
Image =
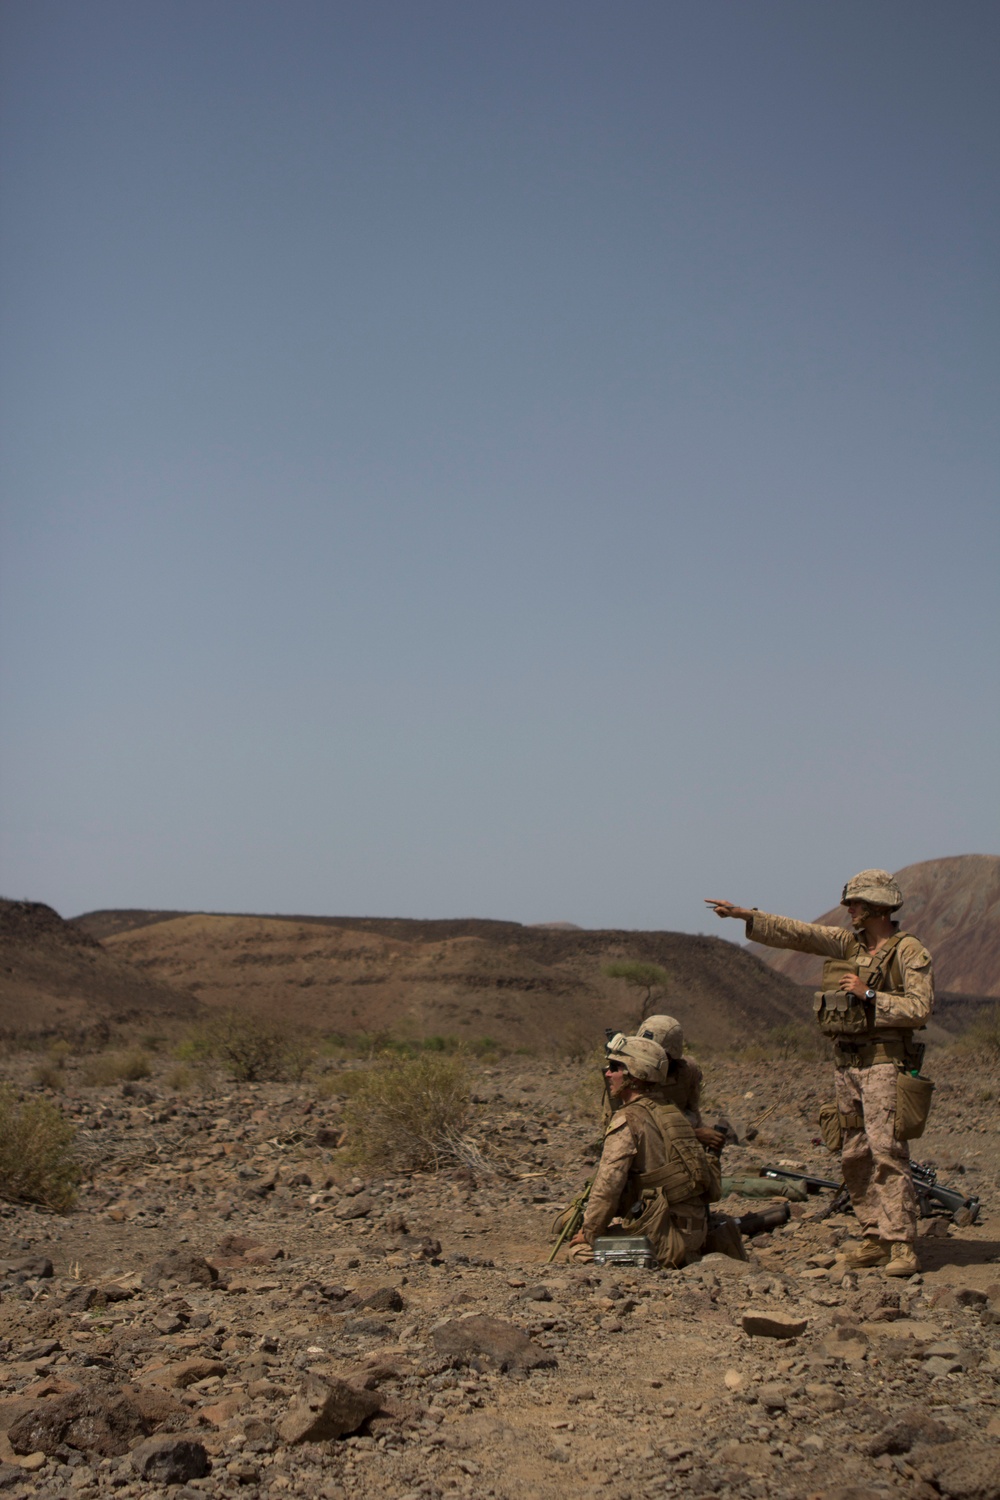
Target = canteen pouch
(913,1105)
(838,1012)
(831,1128)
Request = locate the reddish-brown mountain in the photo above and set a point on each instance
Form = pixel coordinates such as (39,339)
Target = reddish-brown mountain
(952,905)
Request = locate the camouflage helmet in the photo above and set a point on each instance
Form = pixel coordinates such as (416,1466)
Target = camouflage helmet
(877,887)
(644,1059)
(666,1032)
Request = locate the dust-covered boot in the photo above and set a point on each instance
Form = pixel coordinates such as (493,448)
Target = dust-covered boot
(871,1252)
(902,1260)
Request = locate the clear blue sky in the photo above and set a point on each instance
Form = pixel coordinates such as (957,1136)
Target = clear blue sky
(524,460)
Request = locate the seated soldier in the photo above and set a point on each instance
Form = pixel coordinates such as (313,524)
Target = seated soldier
(653,1176)
(680,1083)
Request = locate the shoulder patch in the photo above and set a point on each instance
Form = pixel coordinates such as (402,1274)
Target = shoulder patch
(618,1122)
(914,952)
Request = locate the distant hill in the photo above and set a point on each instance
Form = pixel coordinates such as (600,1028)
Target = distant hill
(537,987)
(56,978)
(953,907)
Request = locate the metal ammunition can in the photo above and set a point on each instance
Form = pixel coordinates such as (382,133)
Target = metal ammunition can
(624,1250)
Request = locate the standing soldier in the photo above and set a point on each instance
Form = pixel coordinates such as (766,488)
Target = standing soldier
(878,989)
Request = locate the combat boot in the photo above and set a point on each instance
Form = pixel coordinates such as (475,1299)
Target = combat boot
(902,1260)
(871,1252)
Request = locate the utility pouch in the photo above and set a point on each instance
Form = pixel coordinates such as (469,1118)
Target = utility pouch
(913,1105)
(831,1128)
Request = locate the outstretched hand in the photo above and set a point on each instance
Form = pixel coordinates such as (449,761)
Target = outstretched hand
(727,909)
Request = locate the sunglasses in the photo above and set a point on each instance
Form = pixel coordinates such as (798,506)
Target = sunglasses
(614,1067)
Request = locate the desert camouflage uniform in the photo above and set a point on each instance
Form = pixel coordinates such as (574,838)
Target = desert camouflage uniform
(876,1166)
(683,1088)
(634,1144)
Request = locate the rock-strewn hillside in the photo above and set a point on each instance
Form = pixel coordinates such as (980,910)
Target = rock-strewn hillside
(56,977)
(523,986)
(952,905)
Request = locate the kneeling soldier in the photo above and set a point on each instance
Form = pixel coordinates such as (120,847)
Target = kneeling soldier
(653,1174)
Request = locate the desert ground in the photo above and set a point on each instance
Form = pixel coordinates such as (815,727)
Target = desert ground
(228,1260)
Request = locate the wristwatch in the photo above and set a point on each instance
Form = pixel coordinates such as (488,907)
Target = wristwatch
(870,995)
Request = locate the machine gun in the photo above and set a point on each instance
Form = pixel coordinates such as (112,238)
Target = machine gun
(929,1196)
(963,1210)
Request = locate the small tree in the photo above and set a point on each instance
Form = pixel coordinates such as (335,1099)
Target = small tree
(640,976)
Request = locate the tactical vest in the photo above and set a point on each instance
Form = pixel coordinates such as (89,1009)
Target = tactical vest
(840,1013)
(688,1172)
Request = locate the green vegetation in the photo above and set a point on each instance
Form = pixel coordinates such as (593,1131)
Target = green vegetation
(794,1039)
(37,1161)
(649,978)
(117,1067)
(983,1037)
(248,1047)
(48,1074)
(408,1115)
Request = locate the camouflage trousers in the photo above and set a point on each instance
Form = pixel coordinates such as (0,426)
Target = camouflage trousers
(876,1166)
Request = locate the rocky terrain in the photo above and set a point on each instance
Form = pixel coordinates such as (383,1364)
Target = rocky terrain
(952,905)
(240,1310)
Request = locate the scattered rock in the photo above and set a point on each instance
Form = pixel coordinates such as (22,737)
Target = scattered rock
(960,1471)
(184,1372)
(760,1324)
(772,1397)
(91,1421)
(182,1267)
(914,1426)
(358,1207)
(326,1408)
(383,1299)
(478,1340)
(170,1460)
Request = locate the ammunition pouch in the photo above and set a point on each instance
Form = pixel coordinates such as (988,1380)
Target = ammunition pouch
(838,1012)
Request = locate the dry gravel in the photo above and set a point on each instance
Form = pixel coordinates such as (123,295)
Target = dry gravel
(224,1256)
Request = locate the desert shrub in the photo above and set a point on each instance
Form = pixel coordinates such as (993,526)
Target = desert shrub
(250,1048)
(179,1079)
(37,1160)
(48,1074)
(793,1039)
(982,1038)
(60,1050)
(649,978)
(117,1067)
(485,1047)
(407,1115)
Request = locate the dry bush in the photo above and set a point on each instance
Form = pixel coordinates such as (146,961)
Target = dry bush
(982,1038)
(249,1048)
(48,1074)
(408,1115)
(795,1039)
(180,1079)
(37,1160)
(117,1067)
